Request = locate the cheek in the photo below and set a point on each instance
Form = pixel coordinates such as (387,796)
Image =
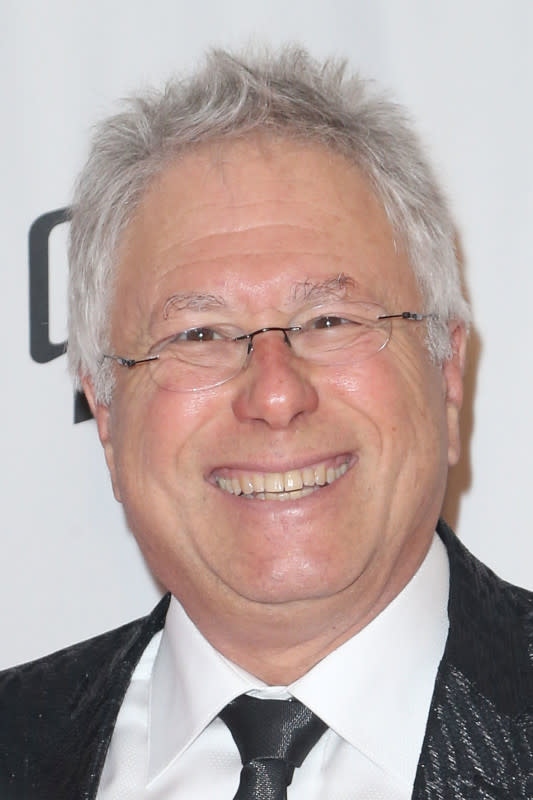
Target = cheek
(375,392)
(399,410)
(396,404)
(154,434)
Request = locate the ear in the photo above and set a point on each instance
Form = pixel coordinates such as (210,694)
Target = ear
(452,373)
(102,415)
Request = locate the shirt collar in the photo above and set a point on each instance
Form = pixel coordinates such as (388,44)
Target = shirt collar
(191,683)
(374,691)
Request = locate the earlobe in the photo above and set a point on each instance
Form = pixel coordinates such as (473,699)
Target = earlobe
(102,415)
(452,371)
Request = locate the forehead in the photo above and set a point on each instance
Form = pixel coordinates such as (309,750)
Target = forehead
(251,220)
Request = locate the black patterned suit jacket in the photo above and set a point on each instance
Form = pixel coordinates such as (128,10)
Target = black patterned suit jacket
(57,714)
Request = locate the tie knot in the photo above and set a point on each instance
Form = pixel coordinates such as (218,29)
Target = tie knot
(272,729)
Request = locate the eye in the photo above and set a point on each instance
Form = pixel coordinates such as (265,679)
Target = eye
(198,335)
(330,321)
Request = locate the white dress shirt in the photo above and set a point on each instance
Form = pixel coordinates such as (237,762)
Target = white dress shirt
(373,692)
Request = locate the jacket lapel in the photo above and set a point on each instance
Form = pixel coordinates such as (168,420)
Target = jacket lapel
(58,713)
(99,699)
(479,741)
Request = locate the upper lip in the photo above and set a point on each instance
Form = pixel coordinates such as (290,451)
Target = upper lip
(286,465)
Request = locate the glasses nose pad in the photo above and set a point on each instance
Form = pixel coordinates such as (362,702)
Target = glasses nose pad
(249,351)
(284,331)
(286,337)
(250,337)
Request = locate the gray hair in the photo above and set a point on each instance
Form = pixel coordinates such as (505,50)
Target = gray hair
(285,93)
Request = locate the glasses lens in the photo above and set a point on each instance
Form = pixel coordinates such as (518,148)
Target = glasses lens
(342,337)
(186,366)
(202,358)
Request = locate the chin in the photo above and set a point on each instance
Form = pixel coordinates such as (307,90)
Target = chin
(290,584)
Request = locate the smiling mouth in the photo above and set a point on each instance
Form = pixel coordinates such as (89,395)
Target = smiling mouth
(290,485)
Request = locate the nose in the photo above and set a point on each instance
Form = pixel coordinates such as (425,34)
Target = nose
(275,387)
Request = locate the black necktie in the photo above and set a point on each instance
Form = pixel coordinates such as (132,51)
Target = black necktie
(273,737)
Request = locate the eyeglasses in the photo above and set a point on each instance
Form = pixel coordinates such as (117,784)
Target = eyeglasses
(209,355)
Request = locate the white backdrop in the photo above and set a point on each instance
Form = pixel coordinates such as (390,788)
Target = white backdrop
(69,568)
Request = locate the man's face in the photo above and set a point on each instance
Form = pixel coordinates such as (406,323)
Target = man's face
(260,226)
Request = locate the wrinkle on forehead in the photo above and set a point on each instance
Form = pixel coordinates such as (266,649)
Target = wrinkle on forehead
(223,168)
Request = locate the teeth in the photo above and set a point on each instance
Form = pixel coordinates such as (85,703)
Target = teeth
(274,482)
(293,480)
(247,485)
(282,495)
(308,475)
(281,485)
(258,483)
(320,475)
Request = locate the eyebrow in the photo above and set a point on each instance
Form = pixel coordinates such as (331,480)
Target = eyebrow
(335,288)
(192,300)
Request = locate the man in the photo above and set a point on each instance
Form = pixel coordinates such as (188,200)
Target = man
(267,321)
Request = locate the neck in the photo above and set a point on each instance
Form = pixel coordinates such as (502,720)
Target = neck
(278,643)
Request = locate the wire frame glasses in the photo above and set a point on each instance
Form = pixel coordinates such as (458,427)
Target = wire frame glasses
(209,355)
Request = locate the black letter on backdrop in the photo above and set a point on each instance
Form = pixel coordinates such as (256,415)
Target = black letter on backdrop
(42,349)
